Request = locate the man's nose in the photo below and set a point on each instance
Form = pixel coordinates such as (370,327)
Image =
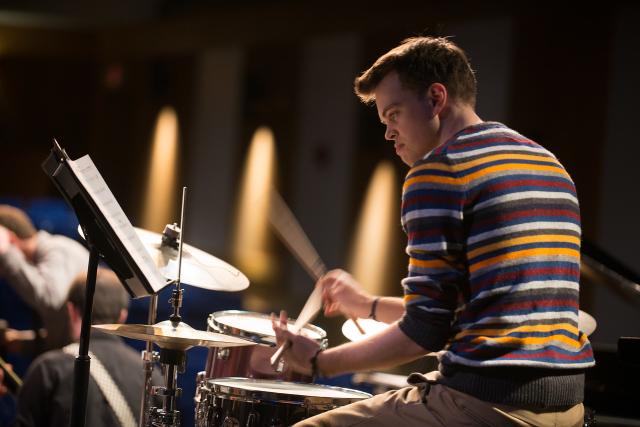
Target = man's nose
(390,134)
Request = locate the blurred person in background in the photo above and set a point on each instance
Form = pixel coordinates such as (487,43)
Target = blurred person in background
(40,267)
(46,395)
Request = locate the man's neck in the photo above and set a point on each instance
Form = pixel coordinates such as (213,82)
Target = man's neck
(456,118)
(29,247)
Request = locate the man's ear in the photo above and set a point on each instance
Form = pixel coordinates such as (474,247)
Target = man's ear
(123,315)
(73,313)
(437,97)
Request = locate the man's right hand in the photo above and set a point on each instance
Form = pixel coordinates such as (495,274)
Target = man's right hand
(342,294)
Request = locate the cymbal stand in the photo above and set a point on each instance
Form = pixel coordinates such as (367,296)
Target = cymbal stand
(149,358)
(173,360)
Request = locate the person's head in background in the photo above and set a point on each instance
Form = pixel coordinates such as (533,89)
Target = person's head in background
(110,301)
(21,230)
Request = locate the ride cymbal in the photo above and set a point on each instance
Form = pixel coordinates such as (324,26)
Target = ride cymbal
(199,269)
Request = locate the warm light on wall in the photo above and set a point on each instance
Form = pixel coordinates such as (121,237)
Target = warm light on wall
(375,233)
(252,236)
(162,192)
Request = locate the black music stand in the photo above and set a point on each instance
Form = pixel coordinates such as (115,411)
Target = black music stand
(110,236)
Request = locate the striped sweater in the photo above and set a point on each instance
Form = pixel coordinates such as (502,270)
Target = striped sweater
(493,228)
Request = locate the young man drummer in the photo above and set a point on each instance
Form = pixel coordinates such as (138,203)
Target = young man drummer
(493,230)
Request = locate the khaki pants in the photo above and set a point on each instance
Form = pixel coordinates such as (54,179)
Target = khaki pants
(444,407)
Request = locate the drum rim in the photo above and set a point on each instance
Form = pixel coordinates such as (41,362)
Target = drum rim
(259,338)
(321,402)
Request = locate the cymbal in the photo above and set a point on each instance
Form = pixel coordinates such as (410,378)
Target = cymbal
(586,322)
(198,267)
(165,335)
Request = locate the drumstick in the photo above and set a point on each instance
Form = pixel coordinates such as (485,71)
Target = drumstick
(292,235)
(294,238)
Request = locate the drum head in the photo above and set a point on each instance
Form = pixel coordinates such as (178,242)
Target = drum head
(267,390)
(255,326)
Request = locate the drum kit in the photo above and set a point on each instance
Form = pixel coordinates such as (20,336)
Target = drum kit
(245,381)
(239,386)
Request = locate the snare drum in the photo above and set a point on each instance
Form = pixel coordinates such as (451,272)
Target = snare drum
(251,402)
(251,361)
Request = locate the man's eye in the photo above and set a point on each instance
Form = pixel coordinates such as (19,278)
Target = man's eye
(393,116)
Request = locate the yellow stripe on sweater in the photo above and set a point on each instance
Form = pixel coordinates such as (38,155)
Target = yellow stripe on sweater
(527,341)
(423,179)
(512,167)
(525,328)
(551,238)
(435,263)
(430,179)
(496,157)
(524,254)
(410,297)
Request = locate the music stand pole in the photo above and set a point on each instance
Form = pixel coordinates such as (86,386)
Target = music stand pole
(83,361)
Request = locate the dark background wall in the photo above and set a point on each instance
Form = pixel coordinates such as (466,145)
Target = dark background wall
(96,77)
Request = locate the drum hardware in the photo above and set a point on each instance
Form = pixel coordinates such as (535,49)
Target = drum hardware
(173,336)
(253,361)
(149,358)
(174,361)
(251,402)
(223,354)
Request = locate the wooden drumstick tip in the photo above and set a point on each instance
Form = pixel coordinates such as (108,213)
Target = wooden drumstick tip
(355,322)
(275,359)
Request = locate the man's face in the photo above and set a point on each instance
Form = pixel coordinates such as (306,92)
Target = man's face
(409,118)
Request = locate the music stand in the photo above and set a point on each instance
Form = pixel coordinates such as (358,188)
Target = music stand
(110,236)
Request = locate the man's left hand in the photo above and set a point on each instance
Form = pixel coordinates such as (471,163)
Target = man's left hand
(301,349)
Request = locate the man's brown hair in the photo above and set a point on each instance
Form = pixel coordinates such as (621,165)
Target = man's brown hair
(17,221)
(420,62)
(109,299)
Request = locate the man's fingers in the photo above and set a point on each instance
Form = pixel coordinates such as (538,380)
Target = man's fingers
(283,319)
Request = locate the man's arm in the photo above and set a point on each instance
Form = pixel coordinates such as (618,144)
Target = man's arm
(388,348)
(391,347)
(45,283)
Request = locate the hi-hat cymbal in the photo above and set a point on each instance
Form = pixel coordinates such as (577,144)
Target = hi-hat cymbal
(586,322)
(198,267)
(165,335)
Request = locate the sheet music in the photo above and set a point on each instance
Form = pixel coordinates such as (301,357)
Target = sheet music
(97,188)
